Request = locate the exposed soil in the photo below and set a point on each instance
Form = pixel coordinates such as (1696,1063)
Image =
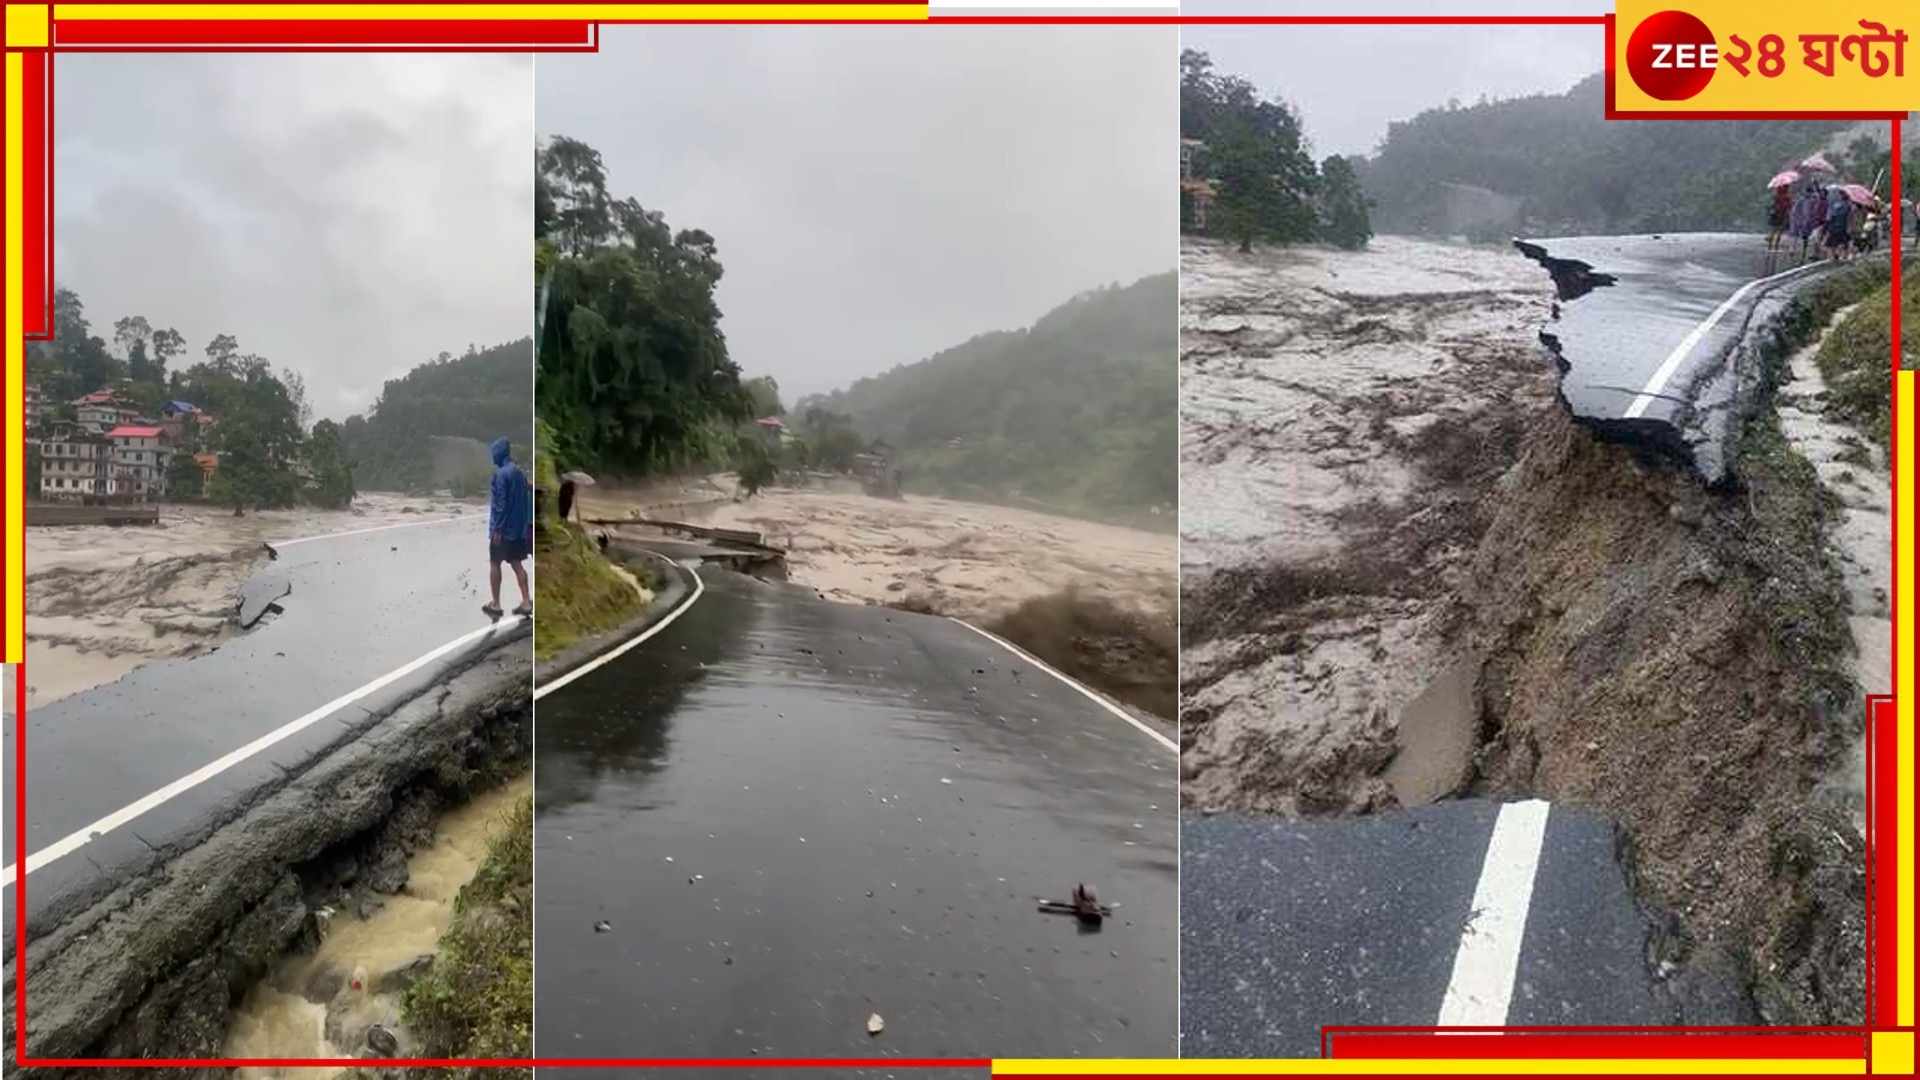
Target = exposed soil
(1672,657)
(156,968)
(1119,652)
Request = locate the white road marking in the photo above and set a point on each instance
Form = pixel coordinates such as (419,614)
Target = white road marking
(1652,391)
(1481,987)
(610,655)
(125,814)
(372,529)
(1091,695)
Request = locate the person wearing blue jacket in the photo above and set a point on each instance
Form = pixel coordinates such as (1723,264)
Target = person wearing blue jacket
(509,527)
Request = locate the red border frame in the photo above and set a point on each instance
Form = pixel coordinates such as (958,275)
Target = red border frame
(565,36)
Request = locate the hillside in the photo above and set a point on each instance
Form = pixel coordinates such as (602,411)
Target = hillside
(422,431)
(1076,413)
(1552,164)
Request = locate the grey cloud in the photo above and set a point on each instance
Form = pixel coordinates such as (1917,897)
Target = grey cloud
(880,193)
(346,216)
(1350,82)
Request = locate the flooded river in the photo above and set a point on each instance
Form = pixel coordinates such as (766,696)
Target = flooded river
(322,1005)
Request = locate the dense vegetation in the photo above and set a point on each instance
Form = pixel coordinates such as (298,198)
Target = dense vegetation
(262,417)
(480,396)
(633,374)
(1266,185)
(476,1001)
(1573,171)
(579,593)
(1078,412)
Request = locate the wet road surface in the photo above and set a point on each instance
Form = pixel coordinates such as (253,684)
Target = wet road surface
(1648,327)
(356,609)
(792,814)
(1410,917)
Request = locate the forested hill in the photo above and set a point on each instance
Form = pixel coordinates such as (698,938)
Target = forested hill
(480,396)
(1078,412)
(1575,172)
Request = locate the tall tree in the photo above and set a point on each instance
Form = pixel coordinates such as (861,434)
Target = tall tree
(1343,205)
(1257,152)
(633,373)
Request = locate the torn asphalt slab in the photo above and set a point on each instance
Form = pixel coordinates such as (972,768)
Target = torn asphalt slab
(1651,334)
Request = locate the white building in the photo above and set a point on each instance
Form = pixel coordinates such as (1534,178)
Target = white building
(140,456)
(75,462)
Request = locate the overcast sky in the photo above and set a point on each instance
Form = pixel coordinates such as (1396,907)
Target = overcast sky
(881,193)
(1349,82)
(347,216)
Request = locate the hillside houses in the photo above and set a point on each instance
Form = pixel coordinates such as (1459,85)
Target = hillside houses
(108,450)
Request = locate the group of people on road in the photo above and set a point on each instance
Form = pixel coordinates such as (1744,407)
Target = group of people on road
(1828,222)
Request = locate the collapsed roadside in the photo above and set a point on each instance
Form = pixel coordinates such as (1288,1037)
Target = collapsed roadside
(1471,595)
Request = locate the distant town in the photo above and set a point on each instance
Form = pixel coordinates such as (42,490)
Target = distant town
(103,447)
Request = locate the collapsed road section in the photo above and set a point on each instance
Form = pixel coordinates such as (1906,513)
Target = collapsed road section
(1493,603)
(1651,334)
(186,824)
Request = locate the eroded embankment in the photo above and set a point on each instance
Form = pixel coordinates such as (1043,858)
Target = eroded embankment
(1532,612)
(156,968)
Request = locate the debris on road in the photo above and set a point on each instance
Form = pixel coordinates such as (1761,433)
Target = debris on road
(1084,906)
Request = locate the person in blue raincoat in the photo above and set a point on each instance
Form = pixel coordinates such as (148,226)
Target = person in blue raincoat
(509,528)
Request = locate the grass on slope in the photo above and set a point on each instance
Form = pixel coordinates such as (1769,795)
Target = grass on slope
(1856,360)
(578,593)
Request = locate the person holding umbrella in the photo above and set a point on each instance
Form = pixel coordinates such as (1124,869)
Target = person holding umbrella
(1780,207)
(1805,217)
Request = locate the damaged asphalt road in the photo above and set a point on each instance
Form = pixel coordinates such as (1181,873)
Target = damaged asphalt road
(1412,917)
(355,608)
(1649,330)
(792,814)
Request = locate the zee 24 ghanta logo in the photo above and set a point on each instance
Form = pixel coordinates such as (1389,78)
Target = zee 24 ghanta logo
(1672,56)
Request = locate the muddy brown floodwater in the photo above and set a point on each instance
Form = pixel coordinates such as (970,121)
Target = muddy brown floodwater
(321,1004)
(1097,601)
(102,601)
(1342,414)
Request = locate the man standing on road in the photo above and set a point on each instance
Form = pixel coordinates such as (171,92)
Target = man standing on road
(509,528)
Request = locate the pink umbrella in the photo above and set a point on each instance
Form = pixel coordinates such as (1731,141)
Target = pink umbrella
(1783,179)
(1859,194)
(1818,163)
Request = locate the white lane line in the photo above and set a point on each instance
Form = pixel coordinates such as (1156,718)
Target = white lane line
(372,529)
(70,844)
(1089,694)
(1657,384)
(610,655)
(1481,987)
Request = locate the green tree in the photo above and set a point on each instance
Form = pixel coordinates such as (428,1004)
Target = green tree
(185,480)
(765,395)
(332,476)
(632,374)
(755,465)
(1256,152)
(1343,205)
